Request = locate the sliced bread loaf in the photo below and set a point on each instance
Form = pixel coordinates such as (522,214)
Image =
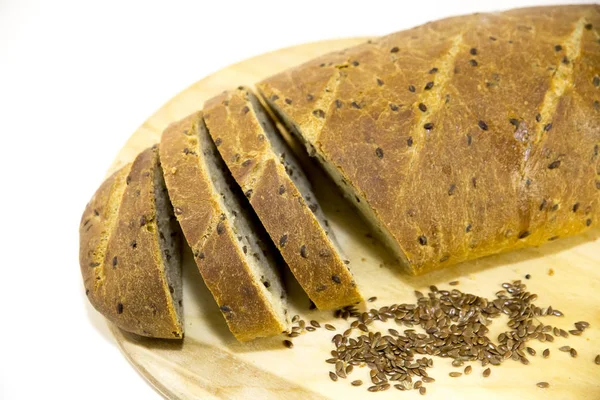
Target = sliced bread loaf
(130,251)
(280,194)
(234,262)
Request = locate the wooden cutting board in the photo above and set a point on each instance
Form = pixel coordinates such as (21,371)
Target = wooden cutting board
(209,363)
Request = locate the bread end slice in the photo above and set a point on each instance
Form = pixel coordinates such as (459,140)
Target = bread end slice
(130,251)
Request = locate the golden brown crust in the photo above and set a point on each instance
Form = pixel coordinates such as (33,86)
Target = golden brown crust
(233,124)
(97,222)
(466,136)
(222,264)
(121,257)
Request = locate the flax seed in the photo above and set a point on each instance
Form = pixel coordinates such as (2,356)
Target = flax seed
(546,353)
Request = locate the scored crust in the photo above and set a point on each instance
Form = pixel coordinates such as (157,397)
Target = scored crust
(280,194)
(461,138)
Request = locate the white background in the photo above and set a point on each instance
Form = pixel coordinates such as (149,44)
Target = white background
(76,79)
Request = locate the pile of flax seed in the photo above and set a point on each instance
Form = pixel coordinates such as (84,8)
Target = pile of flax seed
(455,326)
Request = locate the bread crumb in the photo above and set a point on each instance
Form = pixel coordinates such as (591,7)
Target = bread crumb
(550,272)
(173,170)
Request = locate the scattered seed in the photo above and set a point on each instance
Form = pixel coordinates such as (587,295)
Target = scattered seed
(597,359)
(546,353)
(556,332)
(575,332)
(310,329)
(357,382)
(564,333)
(288,344)
(333,376)
(453,283)
(543,385)
(329,327)
(315,323)
(565,348)
(573,353)
(581,325)
(455,325)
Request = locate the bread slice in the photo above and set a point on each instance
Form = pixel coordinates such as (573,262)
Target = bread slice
(130,251)
(461,138)
(233,260)
(281,196)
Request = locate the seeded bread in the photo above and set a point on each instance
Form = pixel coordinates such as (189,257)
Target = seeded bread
(233,260)
(130,251)
(280,194)
(463,137)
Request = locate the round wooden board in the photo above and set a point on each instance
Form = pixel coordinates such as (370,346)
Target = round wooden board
(209,363)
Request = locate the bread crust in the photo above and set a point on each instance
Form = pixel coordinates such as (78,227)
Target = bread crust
(233,123)
(464,137)
(120,254)
(249,314)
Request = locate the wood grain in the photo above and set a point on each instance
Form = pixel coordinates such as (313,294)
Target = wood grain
(211,364)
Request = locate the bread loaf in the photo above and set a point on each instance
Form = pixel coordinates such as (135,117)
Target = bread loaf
(130,251)
(463,137)
(280,194)
(233,260)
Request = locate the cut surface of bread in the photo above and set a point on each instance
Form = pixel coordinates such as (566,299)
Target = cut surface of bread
(130,251)
(280,194)
(461,138)
(234,262)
